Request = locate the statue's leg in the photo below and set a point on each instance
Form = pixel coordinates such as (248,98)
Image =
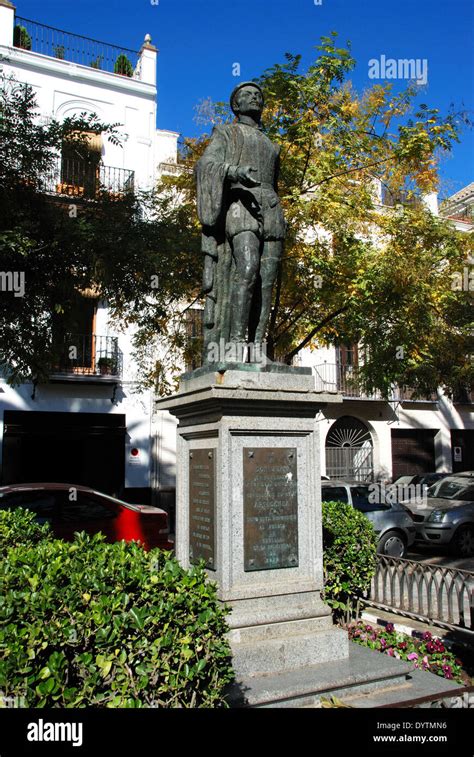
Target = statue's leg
(246,253)
(271,256)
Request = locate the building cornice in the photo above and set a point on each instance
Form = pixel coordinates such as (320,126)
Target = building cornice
(7,4)
(35,61)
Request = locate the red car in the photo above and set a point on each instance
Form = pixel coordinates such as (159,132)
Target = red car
(69,508)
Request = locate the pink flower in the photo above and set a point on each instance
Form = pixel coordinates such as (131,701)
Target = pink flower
(448,673)
(412,656)
(389,627)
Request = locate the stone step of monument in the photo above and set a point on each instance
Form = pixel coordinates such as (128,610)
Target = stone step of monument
(277,647)
(366,679)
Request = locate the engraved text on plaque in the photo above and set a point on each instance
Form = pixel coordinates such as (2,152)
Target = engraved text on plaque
(270,508)
(202,487)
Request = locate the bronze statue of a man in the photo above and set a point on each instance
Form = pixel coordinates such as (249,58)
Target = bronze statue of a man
(243,227)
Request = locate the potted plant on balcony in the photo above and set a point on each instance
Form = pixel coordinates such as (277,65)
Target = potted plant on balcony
(59,52)
(123,66)
(21,38)
(97,62)
(107,366)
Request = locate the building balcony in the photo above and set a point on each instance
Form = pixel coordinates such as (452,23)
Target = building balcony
(346,379)
(170,169)
(81,179)
(88,356)
(74,48)
(391,199)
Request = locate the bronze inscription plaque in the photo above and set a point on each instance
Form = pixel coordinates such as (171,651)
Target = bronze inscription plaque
(202,502)
(270,508)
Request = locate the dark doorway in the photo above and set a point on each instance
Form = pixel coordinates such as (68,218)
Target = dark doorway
(413,451)
(75,448)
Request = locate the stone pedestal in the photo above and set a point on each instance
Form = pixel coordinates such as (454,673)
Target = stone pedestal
(248,502)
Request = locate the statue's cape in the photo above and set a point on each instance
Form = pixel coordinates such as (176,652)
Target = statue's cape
(223,150)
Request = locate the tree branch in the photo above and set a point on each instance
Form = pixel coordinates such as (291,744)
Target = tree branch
(313,332)
(288,314)
(291,323)
(344,173)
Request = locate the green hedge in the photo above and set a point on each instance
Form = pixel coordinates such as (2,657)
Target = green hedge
(19,527)
(86,623)
(350,548)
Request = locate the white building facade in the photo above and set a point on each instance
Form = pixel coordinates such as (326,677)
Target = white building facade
(88,425)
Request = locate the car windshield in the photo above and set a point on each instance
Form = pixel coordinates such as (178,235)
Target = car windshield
(402,480)
(367,499)
(334,494)
(447,489)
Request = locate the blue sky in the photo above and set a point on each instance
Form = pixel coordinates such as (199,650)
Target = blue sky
(200,40)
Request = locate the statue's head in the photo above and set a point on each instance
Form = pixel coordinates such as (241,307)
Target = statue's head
(247,98)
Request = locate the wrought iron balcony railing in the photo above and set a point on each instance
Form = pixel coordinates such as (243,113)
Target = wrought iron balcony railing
(88,355)
(79,178)
(402,197)
(332,377)
(84,51)
(170,169)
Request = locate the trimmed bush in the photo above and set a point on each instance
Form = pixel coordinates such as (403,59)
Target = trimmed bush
(87,623)
(350,548)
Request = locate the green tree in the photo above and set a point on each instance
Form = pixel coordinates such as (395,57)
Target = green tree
(116,247)
(355,270)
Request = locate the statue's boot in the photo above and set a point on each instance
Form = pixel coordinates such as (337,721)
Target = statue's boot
(240,309)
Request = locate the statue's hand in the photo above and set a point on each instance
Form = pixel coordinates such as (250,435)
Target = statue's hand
(243,175)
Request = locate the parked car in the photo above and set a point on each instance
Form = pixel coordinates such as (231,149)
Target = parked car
(392,522)
(418,479)
(447,517)
(70,508)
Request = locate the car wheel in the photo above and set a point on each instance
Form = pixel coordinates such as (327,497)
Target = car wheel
(463,541)
(392,544)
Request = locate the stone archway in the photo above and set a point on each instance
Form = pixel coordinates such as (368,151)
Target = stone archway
(349,450)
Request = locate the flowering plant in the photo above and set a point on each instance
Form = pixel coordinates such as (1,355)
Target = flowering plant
(428,653)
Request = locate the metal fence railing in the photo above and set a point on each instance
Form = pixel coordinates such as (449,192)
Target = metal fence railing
(56,43)
(426,592)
